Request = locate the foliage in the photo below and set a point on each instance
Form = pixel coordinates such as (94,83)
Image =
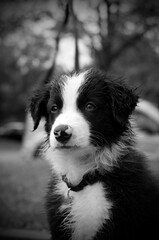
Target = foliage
(130,43)
(121,35)
(25,56)
(126,23)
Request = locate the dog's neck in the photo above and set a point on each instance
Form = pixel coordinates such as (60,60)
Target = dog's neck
(71,165)
(88,179)
(74,166)
(75,188)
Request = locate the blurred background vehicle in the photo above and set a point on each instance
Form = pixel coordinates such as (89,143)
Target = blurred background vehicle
(12,130)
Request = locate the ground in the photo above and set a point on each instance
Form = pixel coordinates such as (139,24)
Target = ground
(22,189)
(23,184)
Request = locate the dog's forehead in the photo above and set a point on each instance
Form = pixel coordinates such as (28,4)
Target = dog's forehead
(92,75)
(74,80)
(70,86)
(70,91)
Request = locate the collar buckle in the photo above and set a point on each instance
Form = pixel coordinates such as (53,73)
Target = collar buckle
(68,195)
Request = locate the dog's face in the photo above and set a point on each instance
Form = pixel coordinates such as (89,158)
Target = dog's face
(83,110)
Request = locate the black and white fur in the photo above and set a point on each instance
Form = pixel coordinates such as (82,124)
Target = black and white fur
(100,187)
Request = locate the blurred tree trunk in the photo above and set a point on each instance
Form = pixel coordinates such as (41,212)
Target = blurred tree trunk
(114,42)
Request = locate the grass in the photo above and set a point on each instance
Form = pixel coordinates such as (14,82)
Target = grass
(22,189)
(23,185)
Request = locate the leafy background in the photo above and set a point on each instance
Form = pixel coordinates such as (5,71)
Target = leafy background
(120,36)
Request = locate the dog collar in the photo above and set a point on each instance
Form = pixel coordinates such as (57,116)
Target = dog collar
(88,179)
(76,188)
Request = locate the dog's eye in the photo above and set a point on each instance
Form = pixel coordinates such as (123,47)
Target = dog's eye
(90,107)
(54,108)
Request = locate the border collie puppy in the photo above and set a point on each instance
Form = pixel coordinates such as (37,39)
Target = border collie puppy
(100,187)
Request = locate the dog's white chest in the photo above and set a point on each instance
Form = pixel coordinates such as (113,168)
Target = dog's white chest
(90,209)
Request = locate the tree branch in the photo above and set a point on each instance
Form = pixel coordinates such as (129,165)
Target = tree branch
(75,21)
(57,40)
(133,39)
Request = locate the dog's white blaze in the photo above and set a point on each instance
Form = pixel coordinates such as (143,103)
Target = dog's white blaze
(70,114)
(70,91)
(90,209)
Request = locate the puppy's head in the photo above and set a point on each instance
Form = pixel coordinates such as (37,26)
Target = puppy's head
(82,110)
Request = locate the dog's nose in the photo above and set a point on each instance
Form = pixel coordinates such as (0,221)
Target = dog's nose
(63,133)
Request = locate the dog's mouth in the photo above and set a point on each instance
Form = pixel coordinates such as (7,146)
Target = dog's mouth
(67,147)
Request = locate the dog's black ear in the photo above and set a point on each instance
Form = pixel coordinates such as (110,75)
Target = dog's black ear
(124,101)
(38,104)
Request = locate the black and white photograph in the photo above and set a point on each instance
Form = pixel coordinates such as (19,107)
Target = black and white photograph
(79,119)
